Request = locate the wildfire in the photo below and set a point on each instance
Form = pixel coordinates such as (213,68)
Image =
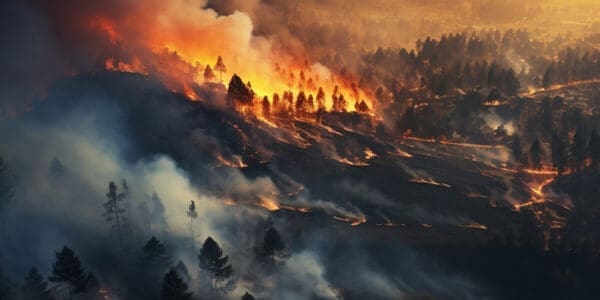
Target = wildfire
(179,42)
(430,181)
(369,154)
(354,221)
(474,226)
(538,194)
(269,204)
(236,163)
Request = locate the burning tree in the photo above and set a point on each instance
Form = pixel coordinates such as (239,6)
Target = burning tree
(209,75)
(174,288)
(112,211)
(192,214)
(321,99)
(238,91)
(68,270)
(266,107)
(35,287)
(211,259)
(220,67)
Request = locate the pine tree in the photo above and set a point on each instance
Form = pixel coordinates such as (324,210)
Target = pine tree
(578,149)
(247,296)
(321,99)
(174,288)
(266,107)
(272,243)
(113,212)
(209,75)
(182,270)
(155,255)
(193,215)
(517,149)
(238,91)
(220,67)
(559,152)
(535,152)
(68,270)
(35,287)
(212,260)
(153,264)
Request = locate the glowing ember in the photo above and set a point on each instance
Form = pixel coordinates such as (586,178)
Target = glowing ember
(369,154)
(269,204)
(237,163)
(474,226)
(429,181)
(354,221)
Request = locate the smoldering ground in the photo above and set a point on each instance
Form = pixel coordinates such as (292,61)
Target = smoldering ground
(95,128)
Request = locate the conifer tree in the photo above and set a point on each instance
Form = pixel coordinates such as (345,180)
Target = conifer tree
(174,288)
(220,67)
(68,270)
(209,75)
(35,287)
(212,260)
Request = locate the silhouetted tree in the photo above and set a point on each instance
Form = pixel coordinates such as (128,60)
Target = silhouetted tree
(153,263)
(183,271)
(113,212)
(35,287)
(209,75)
(174,288)
(247,296)
(68,270)
(517,149)
(155,255)
(578,149)
(212,260)
(500,131)
(266,106)
(238,91)
(57,169)
(220,67)
(559,152)
(193,215)
(535,153)
(272,243)
(361,107)
(320,99)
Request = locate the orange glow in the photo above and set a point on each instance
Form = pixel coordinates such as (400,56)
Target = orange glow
(175,40)
(353,220)
(236,163)
(268,204)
